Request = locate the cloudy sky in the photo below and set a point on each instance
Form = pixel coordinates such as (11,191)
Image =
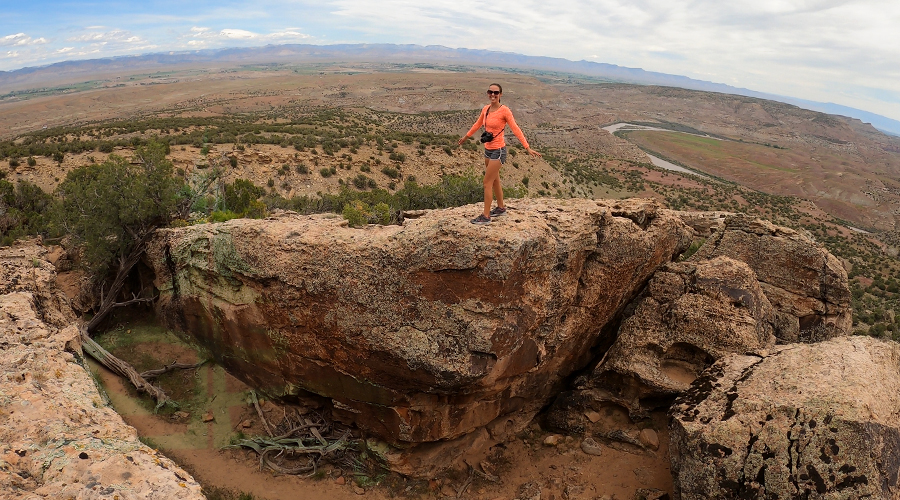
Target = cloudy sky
(841,51)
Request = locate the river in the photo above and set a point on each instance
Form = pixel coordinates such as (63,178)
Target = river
(659,162)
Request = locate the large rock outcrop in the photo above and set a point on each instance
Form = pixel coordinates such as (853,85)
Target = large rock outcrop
(58,439)
(430,331)
(690,314)
(805,283)
(751,283)
(805,421)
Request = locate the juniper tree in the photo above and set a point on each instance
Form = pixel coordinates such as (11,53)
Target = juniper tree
(112,208)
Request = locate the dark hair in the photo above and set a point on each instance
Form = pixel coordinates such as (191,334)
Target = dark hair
(499,87)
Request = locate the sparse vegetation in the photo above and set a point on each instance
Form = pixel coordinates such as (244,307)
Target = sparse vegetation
(323,139)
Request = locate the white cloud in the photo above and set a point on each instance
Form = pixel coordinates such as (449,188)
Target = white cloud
(202,37)
(65,50)
(12,54)
(294,33)
(21,40)
(238,34)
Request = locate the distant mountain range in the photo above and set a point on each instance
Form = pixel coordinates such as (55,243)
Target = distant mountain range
(406,54)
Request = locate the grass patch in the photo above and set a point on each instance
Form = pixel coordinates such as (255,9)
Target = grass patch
(148,346)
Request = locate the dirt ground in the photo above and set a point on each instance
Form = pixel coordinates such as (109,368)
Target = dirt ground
(215,411)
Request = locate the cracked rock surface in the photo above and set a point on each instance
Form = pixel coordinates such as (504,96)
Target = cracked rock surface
(690,314)
(805,421)
(749,285)
(58,438)
(805,283)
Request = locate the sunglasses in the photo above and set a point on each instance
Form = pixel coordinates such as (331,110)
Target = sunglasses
(493,92)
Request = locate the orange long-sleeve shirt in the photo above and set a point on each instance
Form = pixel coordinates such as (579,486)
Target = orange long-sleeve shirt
(496,123)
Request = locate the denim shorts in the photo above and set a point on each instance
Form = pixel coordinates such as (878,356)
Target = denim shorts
(496,154)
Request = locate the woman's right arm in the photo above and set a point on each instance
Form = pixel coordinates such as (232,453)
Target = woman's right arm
(478,123)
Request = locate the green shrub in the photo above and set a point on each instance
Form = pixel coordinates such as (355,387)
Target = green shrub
(24,211)
(391,172)
(110,207)
(361,181)
(692,249)
(356,213)
(325,172)
(382,214)
(223,215)
(240,195)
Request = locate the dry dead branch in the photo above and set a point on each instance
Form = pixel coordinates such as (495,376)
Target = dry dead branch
(121,368)
(298,444)
(149,374)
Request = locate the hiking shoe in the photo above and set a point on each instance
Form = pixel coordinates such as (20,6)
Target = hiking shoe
(481,219)
(498,211)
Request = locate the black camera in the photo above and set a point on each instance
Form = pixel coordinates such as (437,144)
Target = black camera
(486,137)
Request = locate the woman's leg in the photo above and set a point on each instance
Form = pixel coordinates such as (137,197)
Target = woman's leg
(498,191)
(491,177)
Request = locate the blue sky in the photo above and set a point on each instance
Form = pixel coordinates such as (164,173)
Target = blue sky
(839,51)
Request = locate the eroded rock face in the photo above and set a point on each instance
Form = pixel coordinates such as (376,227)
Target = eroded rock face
(751,283)
(690,314)
(418,333)
(806,421)
(805,283)
(58,438)
(24,268)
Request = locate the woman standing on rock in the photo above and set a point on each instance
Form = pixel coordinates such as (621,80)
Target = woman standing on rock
(495,117)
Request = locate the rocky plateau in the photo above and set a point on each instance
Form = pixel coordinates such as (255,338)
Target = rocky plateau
(438,338)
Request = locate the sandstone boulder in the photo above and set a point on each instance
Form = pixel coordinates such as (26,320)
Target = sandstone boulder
(805,283)
(806,421)
(423,332)
(58,438)
(749,280)
(690,314)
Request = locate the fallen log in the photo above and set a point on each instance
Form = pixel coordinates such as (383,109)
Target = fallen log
(122,368)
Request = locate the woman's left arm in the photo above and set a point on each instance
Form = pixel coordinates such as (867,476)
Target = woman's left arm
(518,133)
